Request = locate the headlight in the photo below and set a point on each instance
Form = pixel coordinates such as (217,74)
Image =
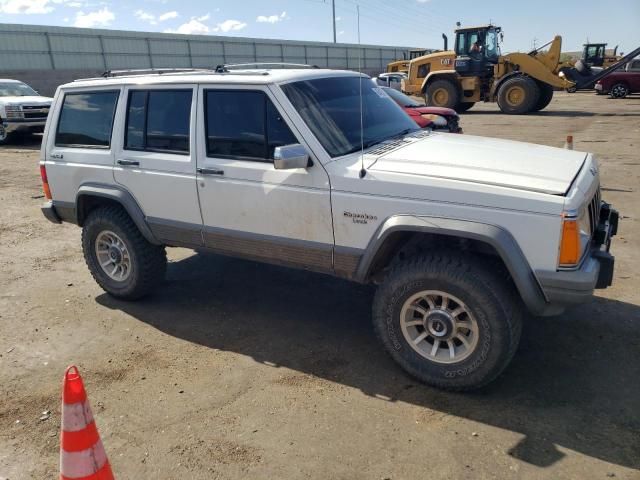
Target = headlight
(438,120)
(576,235)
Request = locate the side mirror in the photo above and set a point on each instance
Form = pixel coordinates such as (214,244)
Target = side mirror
(292,156)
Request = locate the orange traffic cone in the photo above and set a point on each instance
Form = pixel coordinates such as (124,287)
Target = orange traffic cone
(82,456)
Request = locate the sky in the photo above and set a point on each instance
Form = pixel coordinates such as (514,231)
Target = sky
(410,23)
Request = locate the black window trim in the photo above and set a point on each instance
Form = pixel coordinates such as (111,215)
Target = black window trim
(266,97)
(80,145)
(146,91)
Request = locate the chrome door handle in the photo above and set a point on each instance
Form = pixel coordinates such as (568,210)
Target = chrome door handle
(210,171)
(128,162)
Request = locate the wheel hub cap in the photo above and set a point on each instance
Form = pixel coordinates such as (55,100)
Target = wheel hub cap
(515,96)
(439,324)
(113,256)
(439,327)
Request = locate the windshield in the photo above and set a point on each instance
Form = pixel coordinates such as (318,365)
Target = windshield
(331,109)
(402,99)
(16,89)
(492,49)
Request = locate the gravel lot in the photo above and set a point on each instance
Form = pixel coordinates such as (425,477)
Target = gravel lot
(239,370)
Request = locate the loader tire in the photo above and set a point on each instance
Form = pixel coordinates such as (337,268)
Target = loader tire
(442,93)
(518,95)
(546,95)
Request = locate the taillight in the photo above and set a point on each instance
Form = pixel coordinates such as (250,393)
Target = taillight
(45,182)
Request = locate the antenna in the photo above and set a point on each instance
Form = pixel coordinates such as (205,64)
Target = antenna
(363,172)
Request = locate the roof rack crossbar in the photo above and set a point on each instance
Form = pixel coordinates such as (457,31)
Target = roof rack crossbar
(146,71)
(226,67)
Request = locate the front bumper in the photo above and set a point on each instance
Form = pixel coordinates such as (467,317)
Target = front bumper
(563,288)
(24,125)
(598,87)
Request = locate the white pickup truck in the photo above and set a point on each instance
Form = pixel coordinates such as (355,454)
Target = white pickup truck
(321,170)
(22,109)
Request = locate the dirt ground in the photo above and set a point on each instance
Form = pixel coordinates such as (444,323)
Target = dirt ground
(239,370)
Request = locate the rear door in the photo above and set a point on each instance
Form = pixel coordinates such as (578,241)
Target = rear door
(156,159)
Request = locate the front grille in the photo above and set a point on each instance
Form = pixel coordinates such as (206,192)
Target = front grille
(594,211)
(42,115)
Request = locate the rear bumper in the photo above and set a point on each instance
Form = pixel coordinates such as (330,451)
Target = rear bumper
(564,288)
(58,212)
(50,213)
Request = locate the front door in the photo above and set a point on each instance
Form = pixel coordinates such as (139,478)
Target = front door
(248,207)
(156,159)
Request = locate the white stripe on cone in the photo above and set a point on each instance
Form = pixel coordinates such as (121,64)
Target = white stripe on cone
(84,463)
(76,416)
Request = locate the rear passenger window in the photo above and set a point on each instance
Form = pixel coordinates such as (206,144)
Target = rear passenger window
(243,124)
(158,121)
(86,119)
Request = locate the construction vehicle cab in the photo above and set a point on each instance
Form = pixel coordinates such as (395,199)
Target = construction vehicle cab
(477,50)
(595,55)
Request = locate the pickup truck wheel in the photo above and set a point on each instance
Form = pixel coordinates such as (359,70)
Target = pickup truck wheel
(619,90)
(449,320)
(119,258)
(4,135)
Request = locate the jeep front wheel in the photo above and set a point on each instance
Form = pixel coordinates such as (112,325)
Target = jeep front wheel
(119,258)
(449,320)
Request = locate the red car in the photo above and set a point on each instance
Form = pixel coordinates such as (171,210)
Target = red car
(622,82)
(436,118)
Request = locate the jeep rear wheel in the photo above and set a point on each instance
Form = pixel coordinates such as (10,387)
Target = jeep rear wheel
(449,320)
(119,258)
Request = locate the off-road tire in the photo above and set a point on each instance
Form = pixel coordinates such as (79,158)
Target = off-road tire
(148,261)
(464,107)
(436,88)
(527,87)
(546,95)
(619,90)
(484,288)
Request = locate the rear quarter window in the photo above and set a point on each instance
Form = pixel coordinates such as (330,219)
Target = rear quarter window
(86,119)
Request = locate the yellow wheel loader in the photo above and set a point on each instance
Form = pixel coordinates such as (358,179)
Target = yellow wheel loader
(403,65)
(476,71)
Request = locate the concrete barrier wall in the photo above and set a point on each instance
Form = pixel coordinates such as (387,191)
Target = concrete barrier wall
(46,57)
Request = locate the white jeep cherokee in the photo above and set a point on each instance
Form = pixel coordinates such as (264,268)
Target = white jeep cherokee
(22,109)
(463,235)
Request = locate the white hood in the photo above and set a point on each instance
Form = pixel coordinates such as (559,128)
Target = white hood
(26,100)
(490,161)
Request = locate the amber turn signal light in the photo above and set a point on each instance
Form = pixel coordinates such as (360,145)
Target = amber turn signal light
(570,243)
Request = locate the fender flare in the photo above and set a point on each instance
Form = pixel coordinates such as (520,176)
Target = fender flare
(121,196)
(437,73)
(496,85)
(500,239)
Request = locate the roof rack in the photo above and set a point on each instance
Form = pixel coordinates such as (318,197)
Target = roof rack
(146,71)
(227,67)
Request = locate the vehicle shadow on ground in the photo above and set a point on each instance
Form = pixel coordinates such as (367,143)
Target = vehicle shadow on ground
(24,142)
(573,384)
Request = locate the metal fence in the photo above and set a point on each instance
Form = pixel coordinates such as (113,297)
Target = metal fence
(28,47)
